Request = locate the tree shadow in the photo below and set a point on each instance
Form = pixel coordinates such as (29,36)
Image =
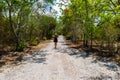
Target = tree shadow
(111,67)
(106,58)
(107,61)
(101,78)
(78,52)
(36,57)
(109,64)
(38,60)
(73,52)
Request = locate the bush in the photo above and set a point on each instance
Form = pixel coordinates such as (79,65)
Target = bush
(21,46)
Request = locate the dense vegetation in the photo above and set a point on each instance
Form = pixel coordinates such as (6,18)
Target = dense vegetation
(23,22)
(95,22)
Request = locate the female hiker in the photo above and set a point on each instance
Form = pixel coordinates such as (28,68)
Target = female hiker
(55,40)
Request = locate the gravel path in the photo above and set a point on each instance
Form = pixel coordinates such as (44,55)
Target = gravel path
(61,64)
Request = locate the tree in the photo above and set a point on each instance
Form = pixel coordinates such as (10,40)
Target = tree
(21,17)
(96,20)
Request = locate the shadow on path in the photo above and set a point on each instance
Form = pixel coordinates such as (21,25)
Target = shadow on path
(73,52)
(109,64)
(36,57)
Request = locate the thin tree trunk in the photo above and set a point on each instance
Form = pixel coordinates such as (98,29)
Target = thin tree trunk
(91,40)
(86,22)
(11,25)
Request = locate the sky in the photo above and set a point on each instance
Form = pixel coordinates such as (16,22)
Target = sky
(60,4)
(56,8)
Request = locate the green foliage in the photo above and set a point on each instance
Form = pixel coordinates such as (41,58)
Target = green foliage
(68,36)
(47,25)
(92,20)
(23,20)
(20,46)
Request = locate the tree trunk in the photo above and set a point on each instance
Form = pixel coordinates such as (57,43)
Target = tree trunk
(91,41)
(11,25)
(85,42)
(86,23)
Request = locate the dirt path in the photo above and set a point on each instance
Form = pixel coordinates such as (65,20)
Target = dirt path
(60,64)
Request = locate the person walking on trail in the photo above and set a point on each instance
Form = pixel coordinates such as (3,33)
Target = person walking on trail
(55,40)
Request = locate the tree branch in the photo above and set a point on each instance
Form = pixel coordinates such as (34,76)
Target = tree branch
(113,3)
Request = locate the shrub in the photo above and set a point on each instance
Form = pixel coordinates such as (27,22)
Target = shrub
(20,46)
